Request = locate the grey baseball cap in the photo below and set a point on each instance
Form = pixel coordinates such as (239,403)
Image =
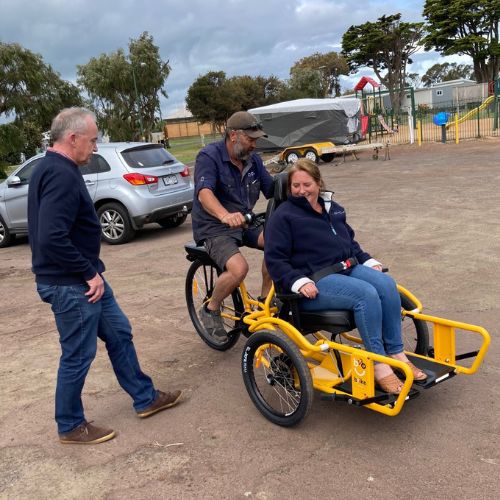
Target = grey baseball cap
(243,120)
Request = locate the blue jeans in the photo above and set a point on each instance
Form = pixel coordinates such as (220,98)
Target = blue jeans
(374,299)
(79,323)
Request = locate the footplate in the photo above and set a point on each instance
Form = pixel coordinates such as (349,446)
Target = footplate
(436,372)
(380,397)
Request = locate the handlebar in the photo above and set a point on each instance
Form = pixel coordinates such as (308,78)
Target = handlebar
(254,220)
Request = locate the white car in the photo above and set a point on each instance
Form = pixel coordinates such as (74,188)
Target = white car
(132,184)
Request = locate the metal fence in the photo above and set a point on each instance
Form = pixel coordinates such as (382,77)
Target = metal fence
(466,120)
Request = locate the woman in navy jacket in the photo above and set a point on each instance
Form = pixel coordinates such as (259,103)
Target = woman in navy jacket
(307,241)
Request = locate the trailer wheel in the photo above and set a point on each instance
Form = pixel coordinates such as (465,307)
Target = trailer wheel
(292,157)
(310,154)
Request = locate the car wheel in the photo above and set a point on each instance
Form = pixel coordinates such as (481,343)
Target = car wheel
(6,237)
(116,227)
(292,157)
(310,154)
(173,221)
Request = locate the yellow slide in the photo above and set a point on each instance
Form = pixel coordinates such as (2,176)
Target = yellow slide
(473,112)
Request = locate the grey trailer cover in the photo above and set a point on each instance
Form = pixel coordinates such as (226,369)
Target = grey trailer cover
(303,121)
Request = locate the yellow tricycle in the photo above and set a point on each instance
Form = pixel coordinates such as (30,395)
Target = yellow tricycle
(290,353)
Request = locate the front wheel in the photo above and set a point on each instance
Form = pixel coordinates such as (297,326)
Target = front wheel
(116,227)
(292,157)
(277,377)
(200,283)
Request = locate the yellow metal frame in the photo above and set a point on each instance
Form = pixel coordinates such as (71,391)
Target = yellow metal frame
(358,364)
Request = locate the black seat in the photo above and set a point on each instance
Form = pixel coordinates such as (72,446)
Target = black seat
(307,322)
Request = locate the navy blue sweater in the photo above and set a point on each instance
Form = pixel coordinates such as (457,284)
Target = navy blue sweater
(301,241)
(64,230)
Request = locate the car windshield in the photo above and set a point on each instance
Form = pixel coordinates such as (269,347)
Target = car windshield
(147,156)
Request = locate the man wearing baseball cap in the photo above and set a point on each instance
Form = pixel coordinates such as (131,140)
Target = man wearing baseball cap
(228,180)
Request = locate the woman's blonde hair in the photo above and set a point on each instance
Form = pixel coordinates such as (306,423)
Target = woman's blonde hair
(309,167)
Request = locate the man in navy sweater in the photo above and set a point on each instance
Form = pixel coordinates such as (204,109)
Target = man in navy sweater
(64,234)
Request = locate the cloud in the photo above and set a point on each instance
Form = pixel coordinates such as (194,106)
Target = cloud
(196,36)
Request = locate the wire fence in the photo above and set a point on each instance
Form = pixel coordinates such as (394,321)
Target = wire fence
(465,120)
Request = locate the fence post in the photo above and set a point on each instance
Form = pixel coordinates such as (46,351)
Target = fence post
(478,124)
(457,138)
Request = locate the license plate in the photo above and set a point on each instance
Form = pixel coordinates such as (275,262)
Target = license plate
(168,180)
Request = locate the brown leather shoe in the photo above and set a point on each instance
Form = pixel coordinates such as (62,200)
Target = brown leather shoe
(163,401)
(86,433)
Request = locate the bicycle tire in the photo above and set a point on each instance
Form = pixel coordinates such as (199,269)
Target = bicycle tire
(200,282)
(414,331)
(278,381)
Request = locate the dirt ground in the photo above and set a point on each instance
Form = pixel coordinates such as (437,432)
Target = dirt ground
(432,214)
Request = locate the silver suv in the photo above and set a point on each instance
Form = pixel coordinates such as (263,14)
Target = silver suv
(131,184)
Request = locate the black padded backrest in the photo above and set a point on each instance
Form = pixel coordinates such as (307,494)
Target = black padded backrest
(280,187)
(280,193)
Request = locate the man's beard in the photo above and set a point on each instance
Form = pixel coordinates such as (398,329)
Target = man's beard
(239,151)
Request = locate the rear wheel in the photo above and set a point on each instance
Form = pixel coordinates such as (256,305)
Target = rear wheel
(116,226)
(200,282)
(6,237)
(172,221)
(414,331)
(310,154)
(277,377)
(292,157)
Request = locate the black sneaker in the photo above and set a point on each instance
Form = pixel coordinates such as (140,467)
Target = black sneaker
(212,322)
(86,433)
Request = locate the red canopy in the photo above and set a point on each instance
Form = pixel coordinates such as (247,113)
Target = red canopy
(364,80)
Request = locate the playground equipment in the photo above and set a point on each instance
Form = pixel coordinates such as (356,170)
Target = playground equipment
(475,111)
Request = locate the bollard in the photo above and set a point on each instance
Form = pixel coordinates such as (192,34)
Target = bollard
(443,134)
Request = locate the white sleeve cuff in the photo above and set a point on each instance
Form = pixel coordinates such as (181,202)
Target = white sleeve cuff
(300,283)
(371,263)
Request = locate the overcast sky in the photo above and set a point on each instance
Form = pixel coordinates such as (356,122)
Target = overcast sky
(240,37)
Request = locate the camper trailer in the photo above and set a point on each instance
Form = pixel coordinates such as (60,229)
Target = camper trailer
(306,121)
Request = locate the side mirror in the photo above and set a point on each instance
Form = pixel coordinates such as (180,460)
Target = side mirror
(13,181)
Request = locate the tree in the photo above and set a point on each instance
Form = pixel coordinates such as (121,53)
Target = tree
(445,72)
(386,46)
(304,82)
(251,92)
(413,80)
(468,27)
(214,98)
(210,99)
(32,93)
(329,67)
(29,88)
(11,144)
(124,90)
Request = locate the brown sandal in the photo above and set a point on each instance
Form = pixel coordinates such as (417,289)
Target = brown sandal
(390,384)
(418,374)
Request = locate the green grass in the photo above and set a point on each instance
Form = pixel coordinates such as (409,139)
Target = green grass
(185,149)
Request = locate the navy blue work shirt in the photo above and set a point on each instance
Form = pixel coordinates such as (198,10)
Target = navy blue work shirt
(236,191)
